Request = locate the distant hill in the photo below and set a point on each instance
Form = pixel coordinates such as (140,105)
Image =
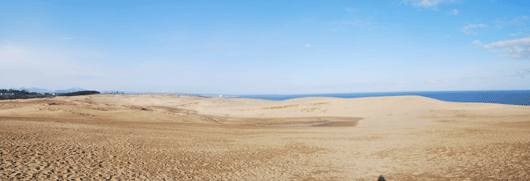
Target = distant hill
(34,89)
(79,93)
(75,89)
(43,91)
(23,94)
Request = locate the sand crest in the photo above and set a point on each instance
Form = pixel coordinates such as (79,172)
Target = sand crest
(172,137)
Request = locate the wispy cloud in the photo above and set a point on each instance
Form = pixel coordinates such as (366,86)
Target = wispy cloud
(444,59)
(517,21)
(520,73)
(516,34)
(515,49)
(219,48)
(308,46)
(469,28)
(520,19)
(476,42)
(453,12)
(427,4)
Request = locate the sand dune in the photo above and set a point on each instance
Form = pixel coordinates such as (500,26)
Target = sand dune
(176,137)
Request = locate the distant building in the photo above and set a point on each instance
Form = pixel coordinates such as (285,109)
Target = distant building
(220,95)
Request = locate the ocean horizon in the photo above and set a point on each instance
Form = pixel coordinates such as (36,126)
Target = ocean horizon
(511,97)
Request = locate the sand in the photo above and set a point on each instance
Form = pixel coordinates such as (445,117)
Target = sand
(171,137)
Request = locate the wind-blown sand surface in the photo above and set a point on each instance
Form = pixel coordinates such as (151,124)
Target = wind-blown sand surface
(174,137)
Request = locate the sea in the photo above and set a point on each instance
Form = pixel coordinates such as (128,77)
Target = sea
(512,97)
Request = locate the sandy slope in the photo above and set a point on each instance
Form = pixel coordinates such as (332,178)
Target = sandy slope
(186,137)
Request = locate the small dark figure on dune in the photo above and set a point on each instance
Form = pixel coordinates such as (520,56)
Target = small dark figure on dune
(381,178)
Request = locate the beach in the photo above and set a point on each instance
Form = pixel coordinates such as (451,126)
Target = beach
(179,137)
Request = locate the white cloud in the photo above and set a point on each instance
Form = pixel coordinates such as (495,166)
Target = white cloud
(520,19)
(427,4)
(453,12)
(520,73)
(476,43)
(516,34)
(469,28)
(308,46)
(515,49)
(444,59)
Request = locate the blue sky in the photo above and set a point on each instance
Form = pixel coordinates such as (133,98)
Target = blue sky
(270,47)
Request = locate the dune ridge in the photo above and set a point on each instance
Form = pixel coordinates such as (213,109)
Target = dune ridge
(176,137)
